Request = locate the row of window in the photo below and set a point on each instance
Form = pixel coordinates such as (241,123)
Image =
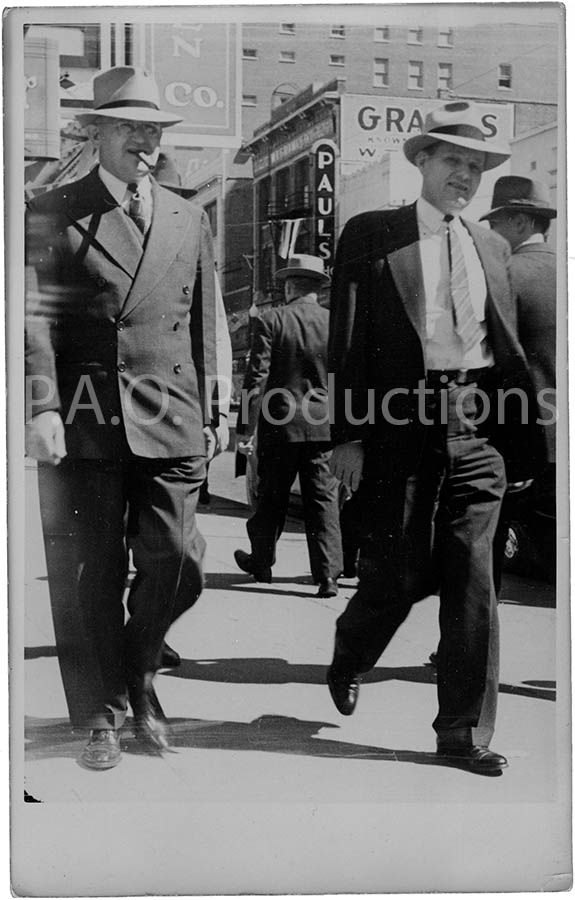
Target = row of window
(414,35)
(415,75)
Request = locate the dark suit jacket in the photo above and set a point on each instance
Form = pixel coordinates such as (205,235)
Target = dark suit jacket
(288,363)
(534,276)
(377,335)
(121,341)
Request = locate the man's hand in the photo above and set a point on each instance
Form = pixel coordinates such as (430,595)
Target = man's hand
(246,445)
(222,435)
(45,438)
(211,439)
(346,463)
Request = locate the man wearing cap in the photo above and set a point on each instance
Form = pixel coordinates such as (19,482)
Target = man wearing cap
(284,394)
(422,335)
(121,375)
(521,212)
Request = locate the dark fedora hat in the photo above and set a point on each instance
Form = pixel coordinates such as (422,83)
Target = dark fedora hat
(516,193)
(166,173)
(127,92)
(458,122)
(304,265)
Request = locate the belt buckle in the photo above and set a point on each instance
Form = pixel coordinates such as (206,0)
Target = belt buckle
(461,377)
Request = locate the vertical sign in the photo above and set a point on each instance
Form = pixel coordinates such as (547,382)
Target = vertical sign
(324,159)
(198,71)
(41,106)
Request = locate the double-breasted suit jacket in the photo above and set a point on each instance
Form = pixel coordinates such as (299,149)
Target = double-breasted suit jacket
(121,336)
(377,337)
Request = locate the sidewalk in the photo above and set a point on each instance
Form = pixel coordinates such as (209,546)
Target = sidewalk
(252,718)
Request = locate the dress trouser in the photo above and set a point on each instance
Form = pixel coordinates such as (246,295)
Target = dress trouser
(278,465)
(433,525)
(94,512)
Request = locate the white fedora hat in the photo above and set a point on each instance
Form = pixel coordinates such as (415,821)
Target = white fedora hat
(458,122)
(304,265)
(126,92)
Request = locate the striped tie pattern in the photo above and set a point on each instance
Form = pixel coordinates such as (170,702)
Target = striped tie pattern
(136,210)
(466,324)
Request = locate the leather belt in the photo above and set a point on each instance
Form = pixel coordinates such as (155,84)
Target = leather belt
(440,378)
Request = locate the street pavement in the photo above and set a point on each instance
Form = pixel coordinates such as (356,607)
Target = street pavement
(336,804)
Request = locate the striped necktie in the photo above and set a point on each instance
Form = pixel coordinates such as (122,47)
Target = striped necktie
(466,324)
(137,210)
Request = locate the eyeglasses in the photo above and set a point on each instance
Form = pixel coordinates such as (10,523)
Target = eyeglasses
(127,129)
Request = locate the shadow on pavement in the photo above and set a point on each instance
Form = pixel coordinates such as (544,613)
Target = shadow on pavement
(52,738)
(518,590)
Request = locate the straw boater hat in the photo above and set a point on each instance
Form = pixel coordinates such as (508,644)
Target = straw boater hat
(126,92)
(166,173)
(304,266)
(458,123)
(515,193)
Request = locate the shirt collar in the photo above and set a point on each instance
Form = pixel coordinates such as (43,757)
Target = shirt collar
(429,216)
(536,238)
(118,188)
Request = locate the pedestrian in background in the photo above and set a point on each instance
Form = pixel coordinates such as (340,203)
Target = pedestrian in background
(121,375)
(422,335)
(284,395)
(521,212)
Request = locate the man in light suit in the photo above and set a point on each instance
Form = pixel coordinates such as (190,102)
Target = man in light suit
(422,338)
(521,212)
(121,375)
(285,392)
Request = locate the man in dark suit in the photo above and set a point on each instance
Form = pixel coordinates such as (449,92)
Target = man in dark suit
(285,389)
(121,375)
(521,212)
(422,342)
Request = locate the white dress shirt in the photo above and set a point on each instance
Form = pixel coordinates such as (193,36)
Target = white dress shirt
(119,191)
(444,348)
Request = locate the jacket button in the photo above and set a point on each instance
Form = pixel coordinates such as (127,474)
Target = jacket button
(186,289)
(176,326)
(101,281)
(177,368)
(120,325)
(122,367)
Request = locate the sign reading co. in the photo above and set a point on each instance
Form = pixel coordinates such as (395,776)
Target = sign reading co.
(198,70)
(324,167)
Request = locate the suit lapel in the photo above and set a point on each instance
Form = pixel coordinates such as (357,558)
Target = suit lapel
(167,232)
(406,269)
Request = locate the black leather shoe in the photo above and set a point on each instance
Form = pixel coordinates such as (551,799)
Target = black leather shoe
(169,658)
(433,659)
(349,565)
(246,564)
(102,750)
(151,723)
(327,588)
(477,759)
(344,689)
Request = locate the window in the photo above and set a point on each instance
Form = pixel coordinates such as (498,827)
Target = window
(337,31)
(381,73)
(414,75)
(335,60)
(444,76)
(415,35)
(249,53)
(78,45)
(445,37)
(249,100)
(287,56)
(505,76)
(381,34)
(287,28)
(212,214)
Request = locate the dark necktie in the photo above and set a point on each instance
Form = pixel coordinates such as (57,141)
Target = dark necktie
(136,210)
(466,324)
